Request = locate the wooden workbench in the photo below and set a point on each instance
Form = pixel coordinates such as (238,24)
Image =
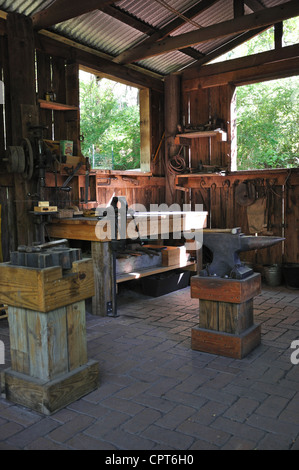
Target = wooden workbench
(153,225)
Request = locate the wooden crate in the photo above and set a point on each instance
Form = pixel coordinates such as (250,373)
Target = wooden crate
(46,289)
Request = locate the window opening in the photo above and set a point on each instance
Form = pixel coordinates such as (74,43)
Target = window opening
(109,123)
(264,41)
(268,124)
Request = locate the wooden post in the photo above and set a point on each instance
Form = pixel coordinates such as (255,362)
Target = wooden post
(22,89)
(172,119)
(104,300)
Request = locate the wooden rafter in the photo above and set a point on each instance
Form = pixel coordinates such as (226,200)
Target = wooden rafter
(254,5)
(226,47)
(173,26)
(62,10)
(128,19)
(265,17)
(254,60)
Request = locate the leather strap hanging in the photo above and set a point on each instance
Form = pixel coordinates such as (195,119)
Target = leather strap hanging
(245,193)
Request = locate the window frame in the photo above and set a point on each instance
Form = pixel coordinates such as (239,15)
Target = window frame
(145,121)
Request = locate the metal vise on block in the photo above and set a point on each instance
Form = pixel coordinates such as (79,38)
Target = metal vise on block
(226,247)
(45,288)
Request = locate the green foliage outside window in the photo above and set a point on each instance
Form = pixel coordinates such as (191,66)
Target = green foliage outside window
(268,112)
(268,125)
(110,124)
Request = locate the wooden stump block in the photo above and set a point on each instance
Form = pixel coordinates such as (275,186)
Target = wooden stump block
(226,323)
(225,316)
(49,365)
(48,345)
(47,327)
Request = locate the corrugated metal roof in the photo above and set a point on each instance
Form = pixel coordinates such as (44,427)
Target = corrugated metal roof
(101,31)
(25,7)
(153,12)
(109,35)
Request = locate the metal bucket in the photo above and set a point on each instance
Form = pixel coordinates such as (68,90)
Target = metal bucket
(272,274)
(291,275)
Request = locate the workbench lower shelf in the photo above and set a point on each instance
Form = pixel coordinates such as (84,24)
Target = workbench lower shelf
(191,265)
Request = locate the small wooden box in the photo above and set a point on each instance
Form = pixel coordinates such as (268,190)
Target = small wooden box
(65,213)
(172,255)
(45,209)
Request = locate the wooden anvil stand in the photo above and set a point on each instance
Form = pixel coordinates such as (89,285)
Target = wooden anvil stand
(46,314)
(226,324)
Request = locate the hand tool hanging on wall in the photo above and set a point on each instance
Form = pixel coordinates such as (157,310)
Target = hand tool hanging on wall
(87,171)
(176,164)
(245,193)
(159,147)
(65,186)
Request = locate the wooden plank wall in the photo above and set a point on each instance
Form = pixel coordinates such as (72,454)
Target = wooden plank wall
(56,74)
(281,193)
(7,193)
(280,188)
(145,190)
(198,108)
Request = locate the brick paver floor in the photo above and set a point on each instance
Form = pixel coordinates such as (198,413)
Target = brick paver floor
(156,394)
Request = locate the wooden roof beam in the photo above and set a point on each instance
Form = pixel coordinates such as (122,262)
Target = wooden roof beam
(63,10)
(226,47)
(265,17)
(171,27)
(238,8)
(254,5)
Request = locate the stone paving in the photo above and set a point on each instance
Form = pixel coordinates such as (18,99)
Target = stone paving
(157,394)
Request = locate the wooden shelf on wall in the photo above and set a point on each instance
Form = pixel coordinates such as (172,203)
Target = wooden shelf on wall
(182,139)
(56,106)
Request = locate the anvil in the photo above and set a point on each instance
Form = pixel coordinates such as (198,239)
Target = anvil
(226,246)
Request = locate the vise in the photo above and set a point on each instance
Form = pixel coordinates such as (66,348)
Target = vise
(226,247)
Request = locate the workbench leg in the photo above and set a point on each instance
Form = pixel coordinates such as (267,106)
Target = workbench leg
(199,260)
(104,300)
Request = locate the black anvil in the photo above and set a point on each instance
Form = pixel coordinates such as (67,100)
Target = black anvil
(226,247)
